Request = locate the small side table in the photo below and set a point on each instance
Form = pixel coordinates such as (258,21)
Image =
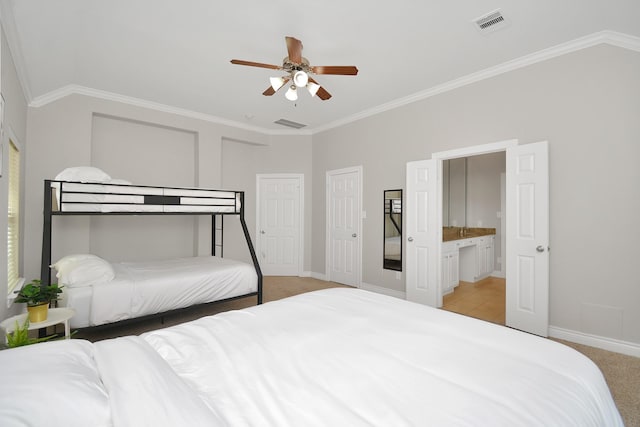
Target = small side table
(55,316)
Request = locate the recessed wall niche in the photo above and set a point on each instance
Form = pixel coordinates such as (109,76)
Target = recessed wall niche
(146,154)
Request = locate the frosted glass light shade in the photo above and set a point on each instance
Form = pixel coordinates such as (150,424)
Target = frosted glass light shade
(292,94)
(276,82)
(313,88)
(300,79)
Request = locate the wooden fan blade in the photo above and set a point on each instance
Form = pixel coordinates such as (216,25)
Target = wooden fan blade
(345,70)
(294,48)
(321,93)
(270,91)
(255,64)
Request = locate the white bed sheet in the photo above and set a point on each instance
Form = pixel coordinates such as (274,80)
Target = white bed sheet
(80,300)
(337,357)
(52,384)
(144,390)
(352,358)
(149,287)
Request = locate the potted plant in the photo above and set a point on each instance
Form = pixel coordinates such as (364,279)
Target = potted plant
(20,336)
(38,296)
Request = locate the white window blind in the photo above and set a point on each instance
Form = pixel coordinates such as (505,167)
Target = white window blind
(13,229)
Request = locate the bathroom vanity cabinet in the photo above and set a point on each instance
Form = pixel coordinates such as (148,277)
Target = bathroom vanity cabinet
(469,260)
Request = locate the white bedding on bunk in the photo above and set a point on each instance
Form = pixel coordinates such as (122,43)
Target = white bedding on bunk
(141,288)
(338,357)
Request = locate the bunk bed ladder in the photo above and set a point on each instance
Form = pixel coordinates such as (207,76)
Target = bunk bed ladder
(214,236)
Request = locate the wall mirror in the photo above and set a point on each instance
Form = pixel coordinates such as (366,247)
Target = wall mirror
(454,192)
(392,230)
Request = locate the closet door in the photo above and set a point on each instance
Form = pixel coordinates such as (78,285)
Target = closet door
(279,225)
(344,226)
(423,233)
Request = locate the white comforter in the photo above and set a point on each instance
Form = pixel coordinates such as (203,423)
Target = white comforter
(337,357)
(142,288)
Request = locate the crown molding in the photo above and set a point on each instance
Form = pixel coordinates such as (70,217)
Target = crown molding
(603,37)
(137,102)
(15,47)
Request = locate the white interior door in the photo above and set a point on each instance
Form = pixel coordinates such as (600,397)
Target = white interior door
(527,299)
(280,224)
(344,213)
(424,232)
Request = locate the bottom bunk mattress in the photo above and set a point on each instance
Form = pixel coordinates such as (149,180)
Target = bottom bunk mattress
(337,357)
(149,287)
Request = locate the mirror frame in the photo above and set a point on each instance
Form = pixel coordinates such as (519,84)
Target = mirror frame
(391,263)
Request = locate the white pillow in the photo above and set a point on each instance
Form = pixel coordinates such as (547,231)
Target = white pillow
(83,270)
(83,174)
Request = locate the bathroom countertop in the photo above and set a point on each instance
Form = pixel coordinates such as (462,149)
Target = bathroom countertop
(453,233)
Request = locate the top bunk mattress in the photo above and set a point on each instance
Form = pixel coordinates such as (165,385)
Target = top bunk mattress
(81,197)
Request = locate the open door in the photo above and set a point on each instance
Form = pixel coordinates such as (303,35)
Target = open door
(423,233)
(527,256)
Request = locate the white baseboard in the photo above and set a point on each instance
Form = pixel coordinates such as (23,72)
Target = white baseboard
(383,290)
(319,276)
(498,273)
(610,344)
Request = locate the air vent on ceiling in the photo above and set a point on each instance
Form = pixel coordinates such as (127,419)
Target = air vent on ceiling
(289,123)
(490,22)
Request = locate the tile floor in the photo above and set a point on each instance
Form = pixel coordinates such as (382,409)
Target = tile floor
(484,300)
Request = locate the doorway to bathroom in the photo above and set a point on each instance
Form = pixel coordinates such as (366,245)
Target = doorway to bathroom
(526,230)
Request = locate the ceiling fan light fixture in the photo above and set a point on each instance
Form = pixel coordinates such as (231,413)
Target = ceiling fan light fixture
(300,78)
(292,94)
(313,88)
(276,82)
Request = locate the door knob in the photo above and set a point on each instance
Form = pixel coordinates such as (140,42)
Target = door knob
(410,239)
(540,248)
(354,235)
(261,231)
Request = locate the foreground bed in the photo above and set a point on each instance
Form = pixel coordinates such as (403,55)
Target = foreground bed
(338,357)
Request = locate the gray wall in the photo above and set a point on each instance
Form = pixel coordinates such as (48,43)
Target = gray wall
(284,154)
(587,105)
(146,147)
(15,126)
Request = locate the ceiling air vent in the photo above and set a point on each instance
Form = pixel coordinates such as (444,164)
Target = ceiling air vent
(289,123)
(490,22)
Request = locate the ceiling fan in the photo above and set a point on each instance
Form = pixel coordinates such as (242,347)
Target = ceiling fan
(299,72)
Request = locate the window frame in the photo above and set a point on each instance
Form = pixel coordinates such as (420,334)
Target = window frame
(14,232)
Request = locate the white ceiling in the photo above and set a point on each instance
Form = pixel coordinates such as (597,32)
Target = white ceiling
(177,52)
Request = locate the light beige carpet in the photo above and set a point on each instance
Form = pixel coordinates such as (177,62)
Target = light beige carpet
(621,372)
